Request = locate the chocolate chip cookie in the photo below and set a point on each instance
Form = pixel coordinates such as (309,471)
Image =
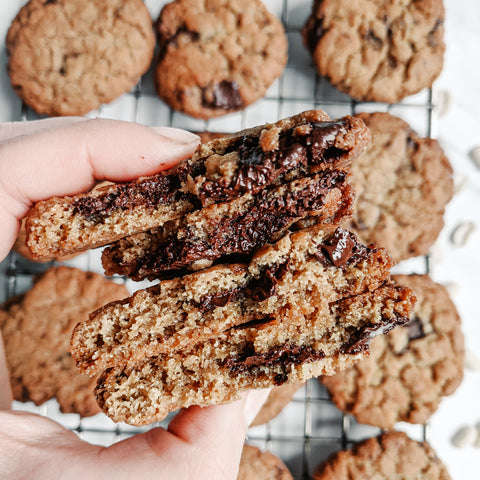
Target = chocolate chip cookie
(36,329)
(223,170)
(67,57)
(219,58)
(391,455)
(256,464)
(409,370)
(377,51)
(307,304)
(402,184)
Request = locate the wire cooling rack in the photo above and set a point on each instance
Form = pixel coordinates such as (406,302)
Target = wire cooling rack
(310,427)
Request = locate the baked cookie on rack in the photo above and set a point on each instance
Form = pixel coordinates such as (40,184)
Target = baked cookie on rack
(409,370)
(391,455)
(217,59)
(36,329)
(392,50)
(67,57)
(402,183)
(255,464)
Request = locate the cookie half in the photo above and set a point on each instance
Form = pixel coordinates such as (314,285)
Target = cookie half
(391,455)
(36,329)
(255,464)
(219,58)
(409,370)
(310,303)
(232,229)
(392,50)
(222,170)
(402,183)
(324,262)
(67,57)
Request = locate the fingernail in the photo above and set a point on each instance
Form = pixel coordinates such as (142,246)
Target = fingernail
(254,402)
(177,135)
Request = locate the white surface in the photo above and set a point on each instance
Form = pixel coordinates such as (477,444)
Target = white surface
(458,130)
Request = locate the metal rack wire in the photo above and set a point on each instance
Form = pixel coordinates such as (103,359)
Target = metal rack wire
(310,427)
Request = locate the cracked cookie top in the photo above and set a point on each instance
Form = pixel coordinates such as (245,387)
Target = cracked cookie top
(36,329)
(403,183)
(217,56)
(67,57)
(377,50)
(392,455)
(409,370)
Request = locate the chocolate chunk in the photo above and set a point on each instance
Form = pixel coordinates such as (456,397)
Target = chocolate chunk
(322,140)
(415,329)
(165,41)
(220,299)
(342,248)
(283,356)
(315,31)
(339,248)
(365,336)
(226,95)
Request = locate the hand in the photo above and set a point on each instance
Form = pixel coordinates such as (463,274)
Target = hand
(52,157)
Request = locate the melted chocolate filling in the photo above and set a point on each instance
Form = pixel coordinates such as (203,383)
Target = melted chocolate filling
(257,289)
(258,168)
(151,192)
(237,235)
(364,337)
(284,356)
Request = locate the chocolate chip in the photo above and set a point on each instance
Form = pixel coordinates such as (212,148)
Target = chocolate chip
(226,95)
(284,356)
(339,248)
(415,329)
(315,32)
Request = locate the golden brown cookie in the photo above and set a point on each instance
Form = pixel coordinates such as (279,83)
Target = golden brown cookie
(377,50)
(67,57)
(217,57)
(36,329)
(409,370)
(390,456)
(256,464)
(403,183)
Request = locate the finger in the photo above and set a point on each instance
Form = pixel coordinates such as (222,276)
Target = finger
(68,160)
(5,389)
(15,129)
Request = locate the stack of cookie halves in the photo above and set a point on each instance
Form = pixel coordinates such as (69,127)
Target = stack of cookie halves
(260,283)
